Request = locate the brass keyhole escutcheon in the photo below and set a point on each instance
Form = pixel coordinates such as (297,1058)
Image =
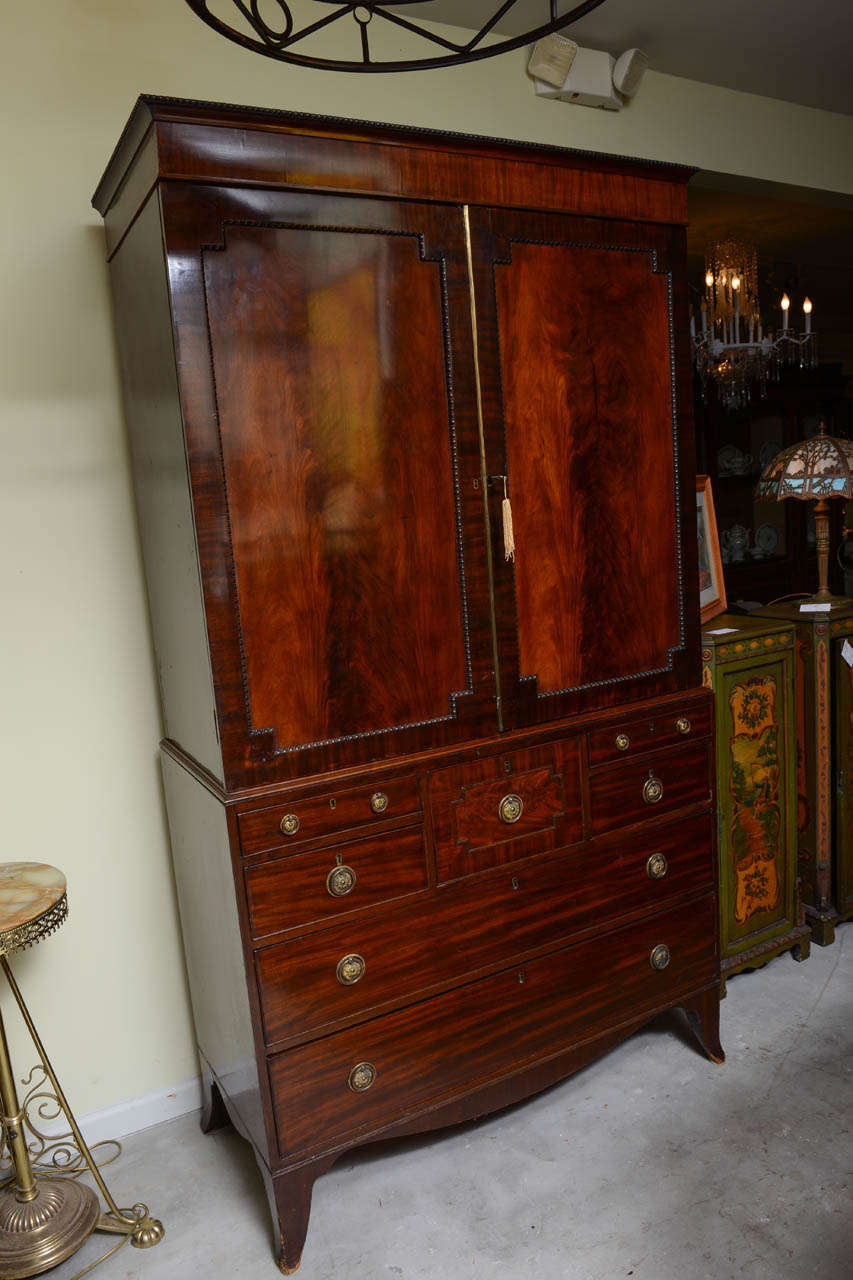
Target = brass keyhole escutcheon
(657,866)
(340,881)
(510,808)
(623,742)
(682,724)
(660,957)
(652,789)
(361,1077)
(289,824)
(379,802)
(350,970)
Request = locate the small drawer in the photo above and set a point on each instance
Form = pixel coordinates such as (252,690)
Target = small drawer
(393,955)
(326,883)
(292,823)
(628,738)
(365,1076)
(505,807)
(649,787)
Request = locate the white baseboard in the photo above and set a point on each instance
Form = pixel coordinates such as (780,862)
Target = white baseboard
(140,1113)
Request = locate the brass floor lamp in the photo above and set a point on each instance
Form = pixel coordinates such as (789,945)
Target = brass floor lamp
(46,1216)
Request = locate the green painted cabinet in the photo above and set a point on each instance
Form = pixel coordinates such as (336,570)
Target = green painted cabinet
(750,666)
(825,760)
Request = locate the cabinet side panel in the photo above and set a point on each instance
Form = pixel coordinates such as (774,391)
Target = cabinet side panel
(167,530)
(212,944)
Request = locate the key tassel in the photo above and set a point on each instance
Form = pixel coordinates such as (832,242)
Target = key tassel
(509,536)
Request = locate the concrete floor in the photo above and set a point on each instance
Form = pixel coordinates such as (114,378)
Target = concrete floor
(652,1163)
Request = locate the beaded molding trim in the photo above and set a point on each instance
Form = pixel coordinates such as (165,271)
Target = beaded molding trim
(28,934)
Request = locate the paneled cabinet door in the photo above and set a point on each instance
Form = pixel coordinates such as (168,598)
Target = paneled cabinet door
(325,355)
(585,413)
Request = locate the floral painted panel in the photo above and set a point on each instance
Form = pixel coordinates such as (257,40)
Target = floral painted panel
(757,832)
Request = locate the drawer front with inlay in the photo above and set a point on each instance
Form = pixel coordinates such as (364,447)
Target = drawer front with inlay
(624,739)
(289,824)
(653,786)
(485,921)
(496,810)
(367,1075)
(325,883)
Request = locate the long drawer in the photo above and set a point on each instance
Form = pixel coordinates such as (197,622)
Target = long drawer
(311,982)
(378,1071)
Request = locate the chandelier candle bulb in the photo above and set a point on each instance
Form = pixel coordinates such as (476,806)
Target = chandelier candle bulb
(807,309)
(785,304)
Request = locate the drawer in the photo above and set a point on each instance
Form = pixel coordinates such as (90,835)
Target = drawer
(505,807)
(291,823)
(325,883)
(669,727)
(473,925)
(371,1074)
(651,786)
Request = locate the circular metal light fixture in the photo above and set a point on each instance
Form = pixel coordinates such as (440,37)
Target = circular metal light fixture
(277,34)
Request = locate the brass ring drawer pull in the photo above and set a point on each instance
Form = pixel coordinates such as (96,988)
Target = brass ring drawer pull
(289,824)
(657,866)
(340,881)
(510,808)
(379,802)
(652,789)
(660,957)
(623,742)
(350,970)
(682,724)
(361,1077)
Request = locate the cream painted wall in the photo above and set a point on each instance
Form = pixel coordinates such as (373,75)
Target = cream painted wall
(81,720)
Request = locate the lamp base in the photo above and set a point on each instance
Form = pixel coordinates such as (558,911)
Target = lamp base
(40,1233)
(827,598)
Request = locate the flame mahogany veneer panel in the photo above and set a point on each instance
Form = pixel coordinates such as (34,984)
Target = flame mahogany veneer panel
(340,481)
(586,375)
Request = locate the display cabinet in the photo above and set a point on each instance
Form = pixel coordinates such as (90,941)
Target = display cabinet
(750,665)
(778,555)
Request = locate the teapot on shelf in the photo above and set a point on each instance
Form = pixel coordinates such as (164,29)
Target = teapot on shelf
(742,464)
(734,543)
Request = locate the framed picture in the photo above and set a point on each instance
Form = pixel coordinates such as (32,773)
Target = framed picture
(712,588)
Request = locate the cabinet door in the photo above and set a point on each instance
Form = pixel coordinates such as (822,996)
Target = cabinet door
(325,357)
(756,798)
(585,377)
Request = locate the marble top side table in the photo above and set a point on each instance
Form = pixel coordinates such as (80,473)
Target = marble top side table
(44,1219)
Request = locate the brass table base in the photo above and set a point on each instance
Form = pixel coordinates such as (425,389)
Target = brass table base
(45,1219)
(40,1233)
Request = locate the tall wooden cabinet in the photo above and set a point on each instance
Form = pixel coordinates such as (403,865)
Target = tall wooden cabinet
(441,817)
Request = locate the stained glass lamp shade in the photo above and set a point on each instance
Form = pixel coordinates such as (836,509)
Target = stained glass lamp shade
(813,470)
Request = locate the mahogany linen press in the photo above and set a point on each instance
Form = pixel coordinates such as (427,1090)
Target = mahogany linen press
(410,416)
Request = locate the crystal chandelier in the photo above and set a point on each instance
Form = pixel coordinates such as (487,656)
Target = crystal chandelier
(732,349)
(277,31)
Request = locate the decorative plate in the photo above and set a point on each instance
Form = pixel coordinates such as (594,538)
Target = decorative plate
(767,538)
(768,452)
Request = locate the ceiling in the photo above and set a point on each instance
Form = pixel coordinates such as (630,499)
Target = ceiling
(786,49)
